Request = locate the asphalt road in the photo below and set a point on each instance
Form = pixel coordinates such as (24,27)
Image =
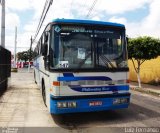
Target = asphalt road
(22,106)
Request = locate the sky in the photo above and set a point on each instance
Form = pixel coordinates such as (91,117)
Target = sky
(141,17)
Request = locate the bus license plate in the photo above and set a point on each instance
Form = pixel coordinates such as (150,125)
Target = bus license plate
(95,103)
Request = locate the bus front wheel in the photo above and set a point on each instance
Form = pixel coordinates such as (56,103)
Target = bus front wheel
(44,94)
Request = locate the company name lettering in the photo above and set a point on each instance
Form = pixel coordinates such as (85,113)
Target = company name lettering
(95,89)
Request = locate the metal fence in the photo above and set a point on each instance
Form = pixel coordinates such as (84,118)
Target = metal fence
(5,68)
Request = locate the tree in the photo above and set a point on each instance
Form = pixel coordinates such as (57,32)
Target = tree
(25,55)
(141,49)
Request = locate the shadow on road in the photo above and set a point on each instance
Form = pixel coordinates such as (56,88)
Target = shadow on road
(72,121)
(110,118)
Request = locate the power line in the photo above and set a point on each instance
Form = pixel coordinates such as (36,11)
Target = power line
(17,47)
(41,19)
(91,8)
(43,15)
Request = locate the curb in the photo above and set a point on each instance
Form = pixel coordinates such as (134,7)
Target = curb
(147,91)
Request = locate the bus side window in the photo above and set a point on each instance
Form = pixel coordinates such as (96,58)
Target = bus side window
(47,41)
(46,36)
(41,45)
(40,48)
(45,44)
(52,50)
(45,52)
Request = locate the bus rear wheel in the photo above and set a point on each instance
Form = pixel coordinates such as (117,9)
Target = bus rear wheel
(35,77)
(44,94)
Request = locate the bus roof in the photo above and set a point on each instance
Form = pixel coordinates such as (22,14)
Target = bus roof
(87,22)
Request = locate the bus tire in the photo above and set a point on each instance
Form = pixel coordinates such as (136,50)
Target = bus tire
(35,77)
(44,93)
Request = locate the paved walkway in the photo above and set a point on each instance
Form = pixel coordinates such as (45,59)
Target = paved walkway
(151,89)
(22,104)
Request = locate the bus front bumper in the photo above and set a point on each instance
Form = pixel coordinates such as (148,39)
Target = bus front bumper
(70,104)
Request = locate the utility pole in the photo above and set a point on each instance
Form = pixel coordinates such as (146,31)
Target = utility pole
(2,2)
(15,47)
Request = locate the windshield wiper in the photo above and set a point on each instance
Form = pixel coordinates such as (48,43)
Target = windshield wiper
(106,61)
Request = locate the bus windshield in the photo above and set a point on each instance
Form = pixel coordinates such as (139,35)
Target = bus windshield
(80,47)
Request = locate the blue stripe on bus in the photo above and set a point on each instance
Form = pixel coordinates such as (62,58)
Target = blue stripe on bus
(83,78)
(100,88)
(83,105)
(68,75)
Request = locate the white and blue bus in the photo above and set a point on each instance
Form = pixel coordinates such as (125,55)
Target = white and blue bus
(81,66)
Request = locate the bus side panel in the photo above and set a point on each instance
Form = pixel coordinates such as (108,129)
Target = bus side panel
(44,79)
(54,90)
(41,74)
(37,72)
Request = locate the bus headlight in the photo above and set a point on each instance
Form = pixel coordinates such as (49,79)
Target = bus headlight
(67,104)
(120,100)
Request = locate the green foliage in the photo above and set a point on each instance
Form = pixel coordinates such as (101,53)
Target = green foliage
(143,48)
(25,55)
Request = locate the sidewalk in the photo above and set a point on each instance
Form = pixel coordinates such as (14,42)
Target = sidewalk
(146,88)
